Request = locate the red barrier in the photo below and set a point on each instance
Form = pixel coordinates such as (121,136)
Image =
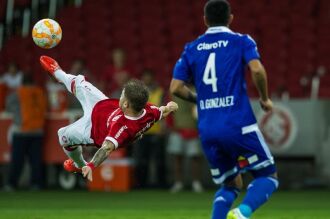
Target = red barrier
(4,147)
(113,175)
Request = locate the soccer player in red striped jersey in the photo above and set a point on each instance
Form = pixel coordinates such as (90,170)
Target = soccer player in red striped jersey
(107,123)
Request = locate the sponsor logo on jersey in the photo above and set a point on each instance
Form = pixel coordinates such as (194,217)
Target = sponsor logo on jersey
(111,115)
(120,131)
(140,133)
(116,118)
(215,45)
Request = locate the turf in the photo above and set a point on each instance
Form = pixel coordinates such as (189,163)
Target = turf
(151,204)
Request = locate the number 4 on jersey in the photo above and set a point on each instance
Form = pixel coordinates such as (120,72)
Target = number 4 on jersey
(209,76)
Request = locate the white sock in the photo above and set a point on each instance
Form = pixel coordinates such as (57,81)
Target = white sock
(76,156)
(64,78)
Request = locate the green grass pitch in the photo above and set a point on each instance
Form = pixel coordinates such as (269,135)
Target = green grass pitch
(151,204)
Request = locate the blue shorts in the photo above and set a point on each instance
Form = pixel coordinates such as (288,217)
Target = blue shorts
(230,156)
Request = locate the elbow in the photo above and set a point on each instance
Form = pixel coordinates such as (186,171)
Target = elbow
(174,89)
(108,147)
(257,69)
(256,66)
(258,72)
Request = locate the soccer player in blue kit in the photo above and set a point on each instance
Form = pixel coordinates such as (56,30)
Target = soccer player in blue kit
(232,142)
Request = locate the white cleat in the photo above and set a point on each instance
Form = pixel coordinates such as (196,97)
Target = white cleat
(235,214)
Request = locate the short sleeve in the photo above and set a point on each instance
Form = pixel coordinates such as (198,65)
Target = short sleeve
(181,69)
(118,134)
(155,111)
(250,50)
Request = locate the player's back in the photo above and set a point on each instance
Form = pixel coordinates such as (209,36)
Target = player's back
(109,122)
(100,118)
(217,62)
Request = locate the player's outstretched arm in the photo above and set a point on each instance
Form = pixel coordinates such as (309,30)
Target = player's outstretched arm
(179,89)
(259,77)
(169,108)
(99,157)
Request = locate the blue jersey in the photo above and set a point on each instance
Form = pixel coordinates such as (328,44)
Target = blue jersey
(216,62)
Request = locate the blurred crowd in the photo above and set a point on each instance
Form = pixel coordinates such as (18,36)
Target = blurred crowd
(173,141)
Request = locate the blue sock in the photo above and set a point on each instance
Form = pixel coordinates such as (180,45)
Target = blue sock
(223,201)
(257,194)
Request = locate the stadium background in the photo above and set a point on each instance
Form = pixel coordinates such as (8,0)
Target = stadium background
(293,39)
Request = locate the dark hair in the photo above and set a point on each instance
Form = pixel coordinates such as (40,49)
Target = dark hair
(217,12)
(137,94)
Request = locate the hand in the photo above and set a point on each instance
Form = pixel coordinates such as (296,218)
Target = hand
(266,105)
(173,106)
(87,172)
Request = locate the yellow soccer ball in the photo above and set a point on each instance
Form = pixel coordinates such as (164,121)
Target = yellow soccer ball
(47,33)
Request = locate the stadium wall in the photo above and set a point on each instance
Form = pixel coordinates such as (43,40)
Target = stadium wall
(297,131)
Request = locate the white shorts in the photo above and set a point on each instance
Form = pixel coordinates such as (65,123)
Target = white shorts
(180,146)
(79,132)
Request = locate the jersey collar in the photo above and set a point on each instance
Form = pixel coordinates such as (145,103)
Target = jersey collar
(136,118)
(218,29)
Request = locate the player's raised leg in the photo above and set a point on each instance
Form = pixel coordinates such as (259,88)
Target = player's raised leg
(76,134)
(55,71)
(87,94)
